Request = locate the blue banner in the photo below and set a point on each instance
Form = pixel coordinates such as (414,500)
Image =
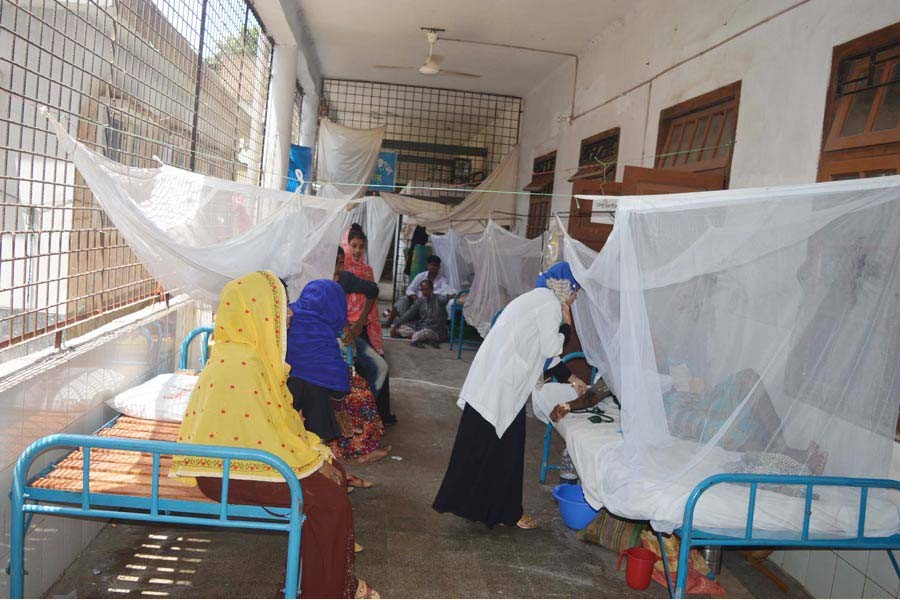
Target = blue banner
(300,168)
(385,176)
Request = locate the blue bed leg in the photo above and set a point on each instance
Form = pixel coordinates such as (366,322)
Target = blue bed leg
(462,326)
(894,562)
(452,326)
(545,457)
(17,538)
(684,556)
(293,573)
(665,560)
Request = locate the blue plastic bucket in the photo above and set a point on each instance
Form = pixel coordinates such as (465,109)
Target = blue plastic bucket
(575,510)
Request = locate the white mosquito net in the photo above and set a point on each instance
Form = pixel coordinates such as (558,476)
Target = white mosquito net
(195,233)
(456,257)
(506,266)
(748,331)
(378,221)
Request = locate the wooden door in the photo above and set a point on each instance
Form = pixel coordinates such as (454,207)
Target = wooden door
(639,181)
(592,235)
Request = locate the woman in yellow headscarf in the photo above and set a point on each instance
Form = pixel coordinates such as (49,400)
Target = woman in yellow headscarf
(242,400)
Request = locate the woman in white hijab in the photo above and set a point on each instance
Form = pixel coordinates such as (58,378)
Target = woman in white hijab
(484,478)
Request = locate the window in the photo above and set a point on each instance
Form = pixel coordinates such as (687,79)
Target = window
(63,264)
(698,135)
(541,185)
(295,116)
(861,129)
(597,157)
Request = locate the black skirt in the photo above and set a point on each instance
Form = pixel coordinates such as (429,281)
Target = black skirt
(484,479)
(314,403)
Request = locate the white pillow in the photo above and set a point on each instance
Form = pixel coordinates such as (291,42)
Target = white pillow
(163,398)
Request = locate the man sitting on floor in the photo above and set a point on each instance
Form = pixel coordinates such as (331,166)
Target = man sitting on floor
(440,286)
(426,320)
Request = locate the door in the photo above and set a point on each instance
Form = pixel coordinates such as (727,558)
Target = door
(639,181)
(592,235)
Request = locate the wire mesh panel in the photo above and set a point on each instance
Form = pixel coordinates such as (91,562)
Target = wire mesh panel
(296,115)
(443,138)
(135,80)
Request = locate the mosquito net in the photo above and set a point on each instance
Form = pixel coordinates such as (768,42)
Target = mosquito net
(506,266)
(195,233)
(748,331)
(456,257)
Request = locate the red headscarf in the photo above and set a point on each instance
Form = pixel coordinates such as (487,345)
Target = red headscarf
(356,302)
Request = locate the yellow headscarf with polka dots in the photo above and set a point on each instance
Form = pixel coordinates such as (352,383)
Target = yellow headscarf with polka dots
(241,398)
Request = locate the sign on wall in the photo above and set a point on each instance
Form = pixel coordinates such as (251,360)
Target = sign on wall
(299,168)
(385,176)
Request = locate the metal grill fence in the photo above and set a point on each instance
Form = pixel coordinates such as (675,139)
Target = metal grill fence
(443,138)
(183,80)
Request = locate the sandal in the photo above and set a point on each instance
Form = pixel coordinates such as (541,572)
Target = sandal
(527,522)
(364,590)
(357,548)
(354,481)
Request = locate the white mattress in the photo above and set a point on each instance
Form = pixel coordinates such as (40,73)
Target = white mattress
(597,452)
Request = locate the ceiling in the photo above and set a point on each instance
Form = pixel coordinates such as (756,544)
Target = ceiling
(350,36)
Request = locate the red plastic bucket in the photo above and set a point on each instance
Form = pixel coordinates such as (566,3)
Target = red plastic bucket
(639,569)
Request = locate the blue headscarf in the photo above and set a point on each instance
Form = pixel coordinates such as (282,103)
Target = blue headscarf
(560,270)
(320,314)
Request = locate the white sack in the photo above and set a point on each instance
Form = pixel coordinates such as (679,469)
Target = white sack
(195,233)
(345,159)
(506,266)
(782,303)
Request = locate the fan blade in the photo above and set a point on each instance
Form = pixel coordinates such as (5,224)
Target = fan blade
(458,73)
(393,67)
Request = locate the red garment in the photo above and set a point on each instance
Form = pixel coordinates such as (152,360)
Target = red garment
(356,302)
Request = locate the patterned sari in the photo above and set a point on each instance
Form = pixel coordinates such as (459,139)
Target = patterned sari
(360,406)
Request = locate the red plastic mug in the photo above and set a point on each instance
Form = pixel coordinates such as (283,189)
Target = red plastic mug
(639,568)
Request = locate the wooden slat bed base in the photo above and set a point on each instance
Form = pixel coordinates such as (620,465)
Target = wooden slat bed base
(121,472)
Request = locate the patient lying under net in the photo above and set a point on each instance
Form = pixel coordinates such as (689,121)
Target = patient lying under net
(756,430)
(697,415)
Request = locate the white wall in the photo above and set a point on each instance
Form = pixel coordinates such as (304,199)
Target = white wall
(663,53)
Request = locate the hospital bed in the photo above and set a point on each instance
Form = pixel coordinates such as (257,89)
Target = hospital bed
(736,509)
(121,472)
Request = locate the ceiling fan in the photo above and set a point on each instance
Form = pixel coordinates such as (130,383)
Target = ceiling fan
(432,64)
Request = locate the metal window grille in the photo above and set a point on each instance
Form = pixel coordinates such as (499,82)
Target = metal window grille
(184,80)
(443,138)
(296,115)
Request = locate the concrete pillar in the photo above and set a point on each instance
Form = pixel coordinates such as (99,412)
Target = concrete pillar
(280,108)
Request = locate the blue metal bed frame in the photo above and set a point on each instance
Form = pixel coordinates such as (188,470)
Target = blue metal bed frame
(28,500)
(691,537)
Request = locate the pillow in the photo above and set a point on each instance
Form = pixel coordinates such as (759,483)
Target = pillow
(163,398)
(611,532)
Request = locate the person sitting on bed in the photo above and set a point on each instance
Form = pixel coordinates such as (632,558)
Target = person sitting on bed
(241,400)
(440,286)
(426,320)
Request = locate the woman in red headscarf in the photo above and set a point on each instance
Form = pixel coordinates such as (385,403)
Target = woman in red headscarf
(366,328)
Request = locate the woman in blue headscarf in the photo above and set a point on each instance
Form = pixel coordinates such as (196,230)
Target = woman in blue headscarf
(319,376)
(484,478)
